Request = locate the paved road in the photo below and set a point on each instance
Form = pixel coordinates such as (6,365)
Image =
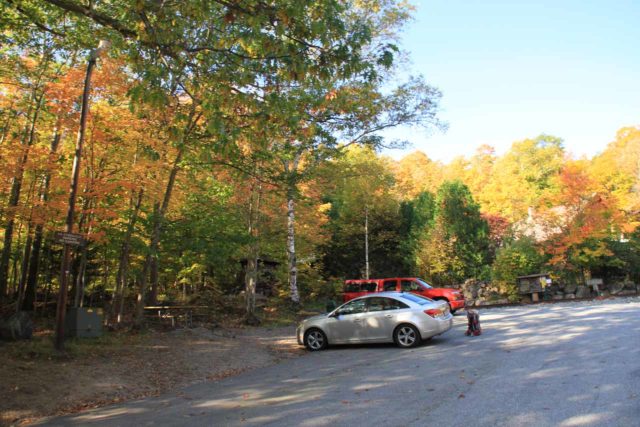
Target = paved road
(547,365)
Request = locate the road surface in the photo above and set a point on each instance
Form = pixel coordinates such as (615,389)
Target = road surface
(565,364)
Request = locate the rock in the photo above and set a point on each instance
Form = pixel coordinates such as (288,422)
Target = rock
(583,292)
(525,299)
(570,288)
(630,285)
(501,301)
(570,296)
(17,327)
(626,293)
(615,288)
(558,296)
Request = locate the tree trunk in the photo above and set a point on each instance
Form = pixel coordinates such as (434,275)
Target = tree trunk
(23,269)
(159,212)
(80,278)
(32,276)
(291,248)
(142,291)
(75,175)
(366,242)
(14,198)
(291,170)
(251,273)
(123,265)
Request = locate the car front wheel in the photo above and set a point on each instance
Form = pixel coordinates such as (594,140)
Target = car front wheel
(315,340)
(406,336)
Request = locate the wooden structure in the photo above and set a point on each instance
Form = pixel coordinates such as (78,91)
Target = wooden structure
(533,284)
(177,315)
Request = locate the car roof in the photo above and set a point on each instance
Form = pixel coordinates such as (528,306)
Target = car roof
(383,278)
(382,294)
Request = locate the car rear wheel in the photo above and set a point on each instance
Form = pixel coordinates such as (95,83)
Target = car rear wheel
(406,336)
(315,340)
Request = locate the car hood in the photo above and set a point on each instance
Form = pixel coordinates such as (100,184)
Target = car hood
(312,319)
(316,317)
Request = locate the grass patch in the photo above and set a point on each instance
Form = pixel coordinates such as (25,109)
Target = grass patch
(41,346)
(277,313)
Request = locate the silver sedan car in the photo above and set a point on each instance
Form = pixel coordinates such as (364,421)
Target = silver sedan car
(399,317)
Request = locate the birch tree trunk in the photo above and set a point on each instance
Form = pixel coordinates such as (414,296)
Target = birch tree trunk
(251,273)
(291,170)
(366,242)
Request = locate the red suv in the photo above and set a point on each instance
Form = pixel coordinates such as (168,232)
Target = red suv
(360,287)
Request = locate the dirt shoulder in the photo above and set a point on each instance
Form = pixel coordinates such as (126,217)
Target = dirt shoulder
(37,383)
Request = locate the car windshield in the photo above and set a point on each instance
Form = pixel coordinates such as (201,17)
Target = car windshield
(423,283)
(418,299)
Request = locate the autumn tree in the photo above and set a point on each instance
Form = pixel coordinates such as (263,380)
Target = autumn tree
(363,215)
(417,173)
(455,248)
(578,219)
(522,176)
(417,221)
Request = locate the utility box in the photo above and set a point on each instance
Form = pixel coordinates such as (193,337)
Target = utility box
(84,322)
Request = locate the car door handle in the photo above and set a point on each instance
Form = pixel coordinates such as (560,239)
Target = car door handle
(357,320)
(388,315)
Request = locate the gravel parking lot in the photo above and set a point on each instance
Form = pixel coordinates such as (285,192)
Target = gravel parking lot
(565,364)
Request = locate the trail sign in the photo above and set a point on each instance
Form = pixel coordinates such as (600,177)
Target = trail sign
(72,239)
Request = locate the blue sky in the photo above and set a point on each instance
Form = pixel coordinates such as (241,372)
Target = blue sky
(511,70)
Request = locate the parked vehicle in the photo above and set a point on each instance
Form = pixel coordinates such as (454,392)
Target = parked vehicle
(400,317)
(360,287)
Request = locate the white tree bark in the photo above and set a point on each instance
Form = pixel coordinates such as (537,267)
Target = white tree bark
(291,249)
(366,242)
(251,273)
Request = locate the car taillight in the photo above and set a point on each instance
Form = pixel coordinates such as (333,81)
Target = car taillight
(433,312)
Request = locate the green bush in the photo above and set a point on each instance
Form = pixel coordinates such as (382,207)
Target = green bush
(517,259)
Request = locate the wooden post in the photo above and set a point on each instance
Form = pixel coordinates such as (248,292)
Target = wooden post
(75,175)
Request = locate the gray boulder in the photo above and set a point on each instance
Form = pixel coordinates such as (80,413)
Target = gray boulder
(583,292)
(570,296)
(616,287)
(570,288)
(525,299)
(16,327)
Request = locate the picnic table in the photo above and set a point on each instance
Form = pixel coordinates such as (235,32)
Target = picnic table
(176,314)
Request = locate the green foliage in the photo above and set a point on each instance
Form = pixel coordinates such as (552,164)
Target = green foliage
(519,258)
(362,189)
(456,246)
(417,219)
